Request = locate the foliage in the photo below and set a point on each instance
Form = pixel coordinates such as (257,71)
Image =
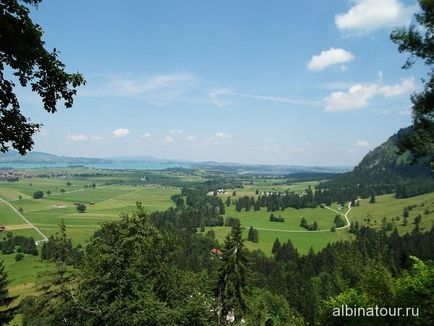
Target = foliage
(81,208)
(22,51)
(6,314)
(38,194)
(418,41)
(25,245)
(266,308)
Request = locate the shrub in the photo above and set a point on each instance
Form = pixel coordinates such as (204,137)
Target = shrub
(19,257)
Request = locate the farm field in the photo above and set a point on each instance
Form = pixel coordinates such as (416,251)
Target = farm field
(103,203)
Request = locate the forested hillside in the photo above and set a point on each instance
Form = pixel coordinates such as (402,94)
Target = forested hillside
(385,170)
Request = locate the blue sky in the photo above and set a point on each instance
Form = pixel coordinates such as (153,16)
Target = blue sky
(276,82)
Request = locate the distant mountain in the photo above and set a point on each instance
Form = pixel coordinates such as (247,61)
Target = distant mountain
(13,157)
(40,157)
(384,165)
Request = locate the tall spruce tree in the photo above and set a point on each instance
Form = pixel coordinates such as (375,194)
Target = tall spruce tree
(232,278)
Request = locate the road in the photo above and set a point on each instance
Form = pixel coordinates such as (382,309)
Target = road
(27,221)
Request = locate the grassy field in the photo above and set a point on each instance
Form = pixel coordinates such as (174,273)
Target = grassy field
(392,209)
(104,203)
(386,206)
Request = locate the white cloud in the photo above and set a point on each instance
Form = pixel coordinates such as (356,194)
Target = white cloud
(76,137)
(361,143)
(220,136)
(146,136)
(177,131)
(168,140)
(120,132)
(190,138)
(406,86)
(358,96)
(368,15)
(329,57)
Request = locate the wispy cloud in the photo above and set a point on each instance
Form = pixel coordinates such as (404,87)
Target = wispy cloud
(328,58)
(361,143)
(146,136)
(159,89)
(76,137)
(366,16)
(218,97)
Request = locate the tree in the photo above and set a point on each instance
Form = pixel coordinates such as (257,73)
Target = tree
(38,194)
(81,208)
(22,52)
(276,246)
(232,276)
(418,41)
(253,235)
(7,314)
(372,199)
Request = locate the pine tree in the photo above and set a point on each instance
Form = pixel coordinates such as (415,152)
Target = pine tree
(372,200)
(6,315)
(276,246)
(232,278)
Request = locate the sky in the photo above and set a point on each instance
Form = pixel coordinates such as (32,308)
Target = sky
(250,81)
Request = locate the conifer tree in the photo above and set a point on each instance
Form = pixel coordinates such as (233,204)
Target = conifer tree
(232,278)
(6,315)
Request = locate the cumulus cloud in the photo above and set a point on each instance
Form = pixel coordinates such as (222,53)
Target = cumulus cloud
(190,138)
(120,132)
(220,136)
(177,131)
(358,95)
(168,140)
(368,15)
(76,137)
(406,86)
(329,57)
(361,143)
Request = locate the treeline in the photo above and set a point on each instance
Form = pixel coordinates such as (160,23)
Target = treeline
(310,198)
